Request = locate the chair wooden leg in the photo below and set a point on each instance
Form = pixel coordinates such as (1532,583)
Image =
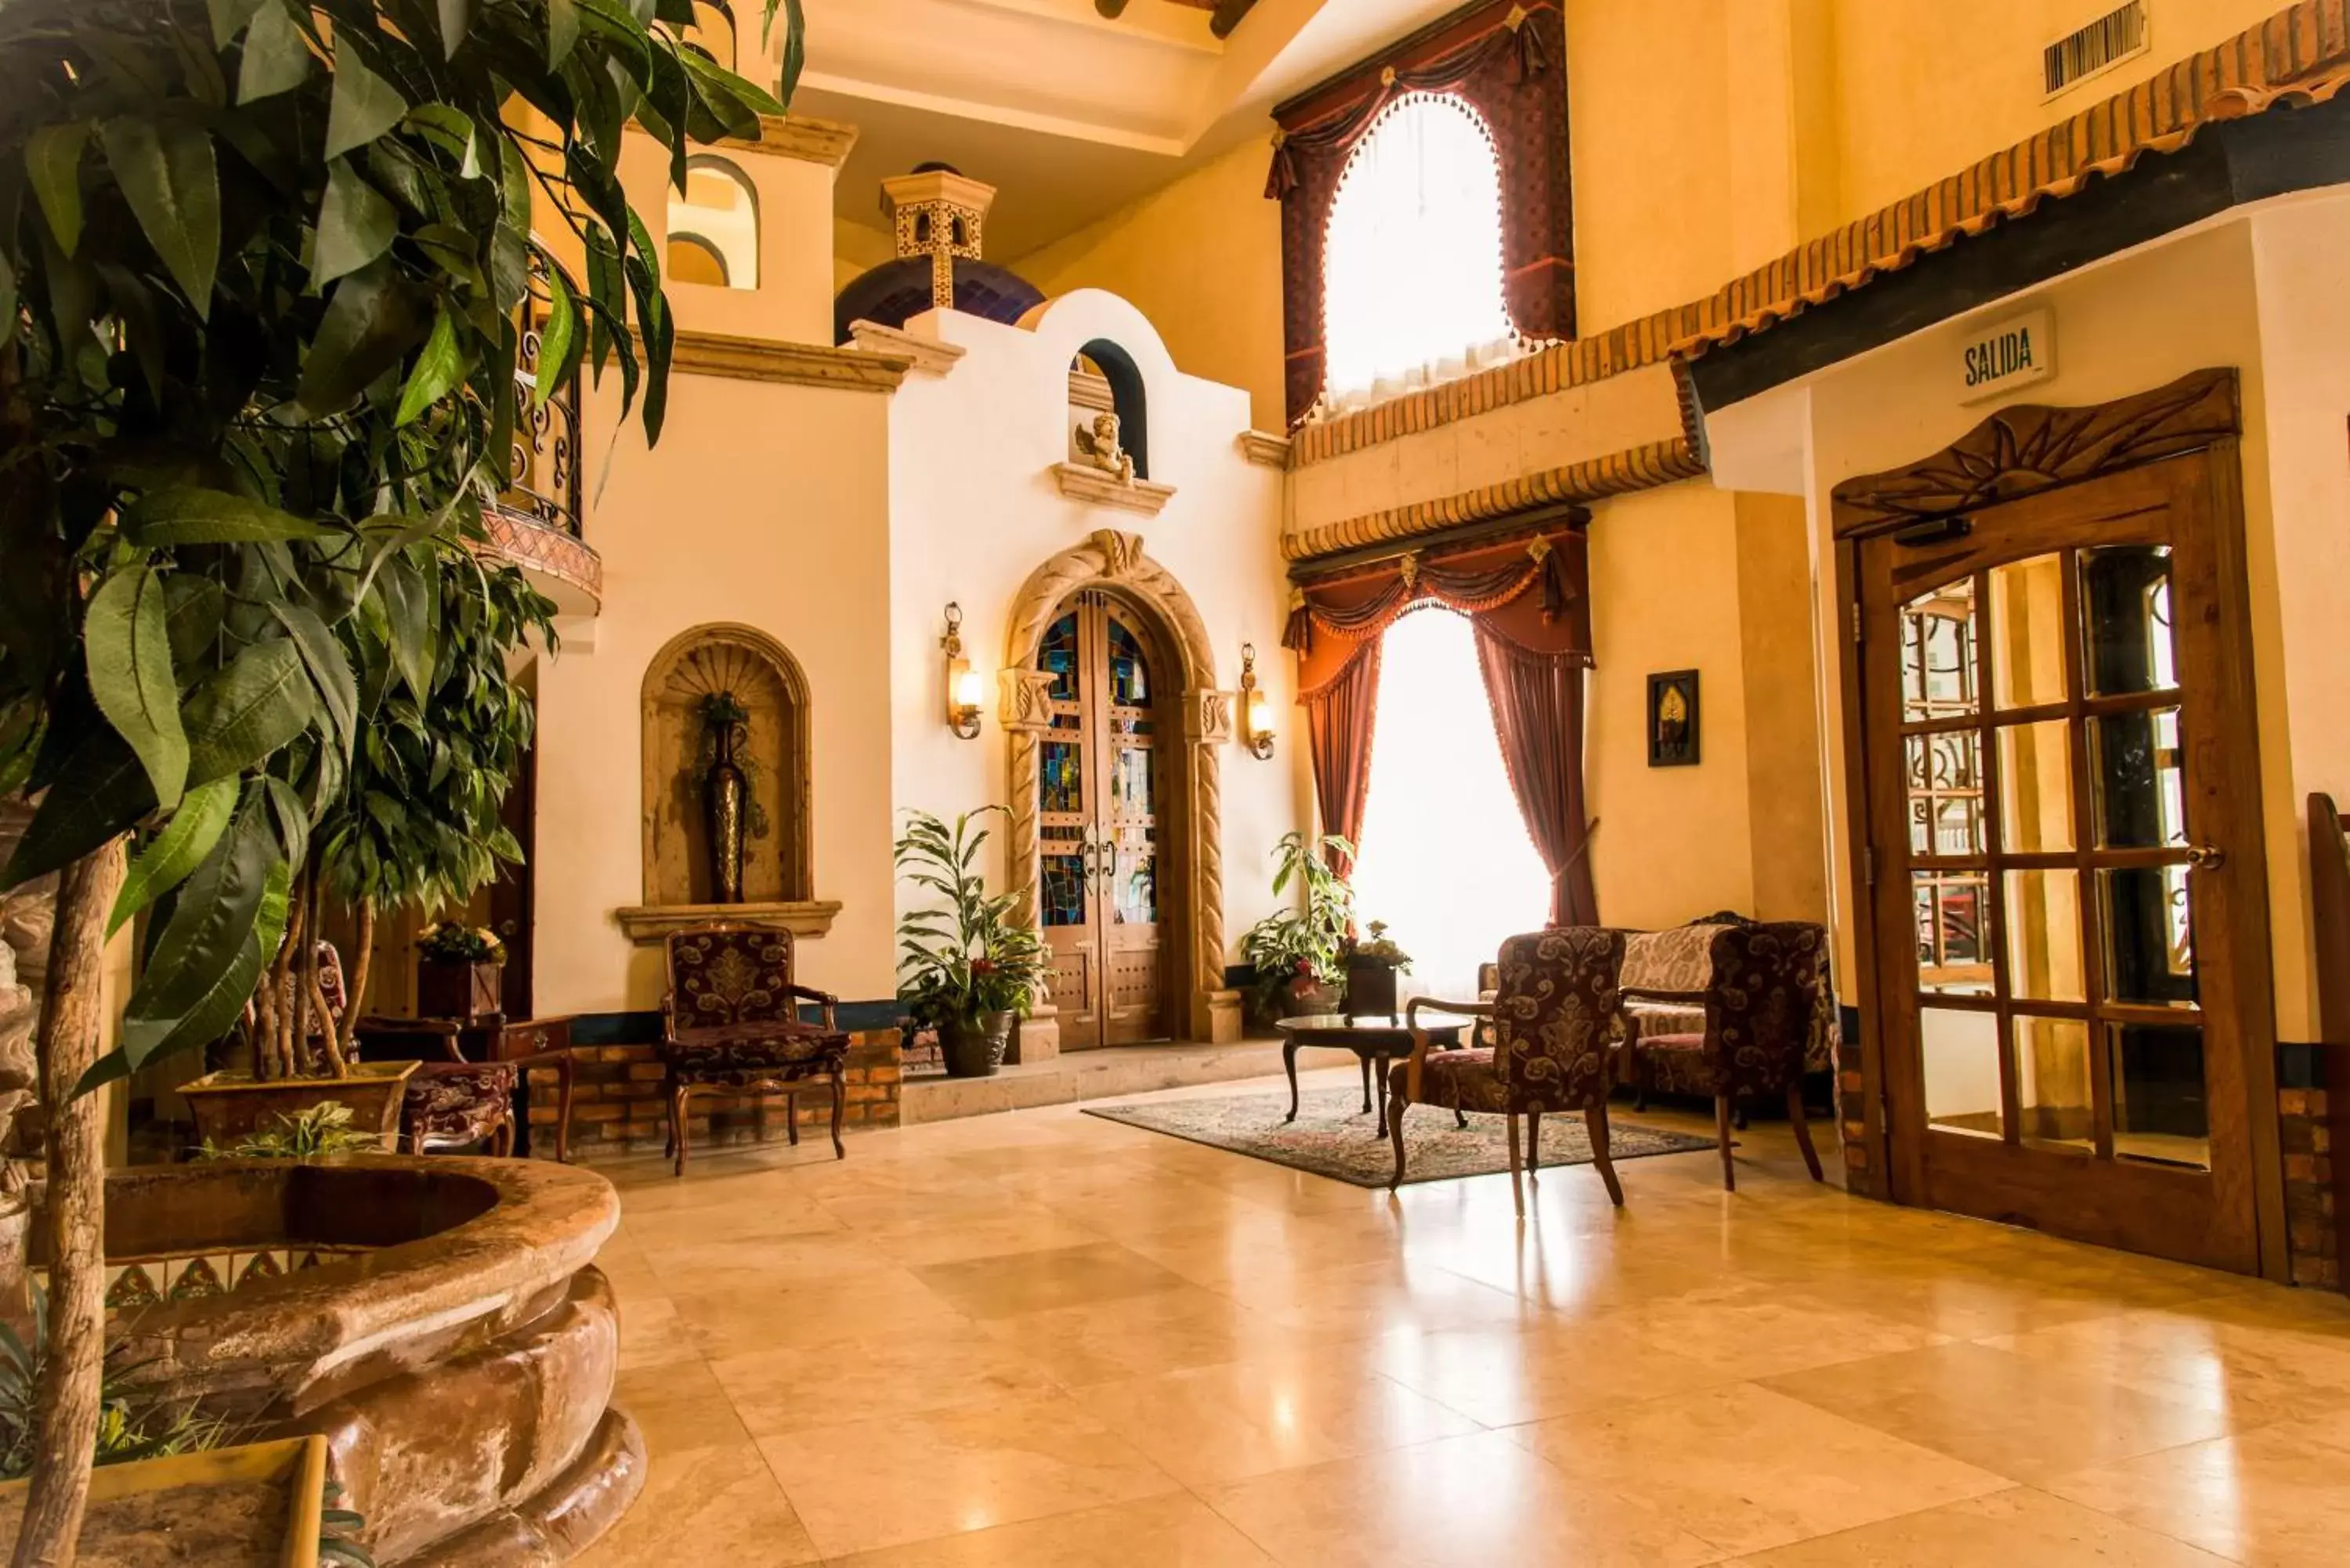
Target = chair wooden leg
(1595,1119)
(1803,1126)
(502,1142)
(564,1074)
(1721,1135)
(677,1105)
(1533,1143)
(1395,1136)
(792,1115)
(1517,1193)
(839,1107)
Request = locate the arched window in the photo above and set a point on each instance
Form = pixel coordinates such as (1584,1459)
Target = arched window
(1113,364)
(1412,267)
(714,228)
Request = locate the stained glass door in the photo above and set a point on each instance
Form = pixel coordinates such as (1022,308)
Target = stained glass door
(1099,794)
(2065,973)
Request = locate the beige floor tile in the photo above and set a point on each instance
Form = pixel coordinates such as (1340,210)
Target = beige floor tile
(2275,1498)
(1461,1502)
(909,1478)
(2019,1528)
(1503,1378)
(887,1374)
(1178,1531)
(2020,1417)
(2252,1373)
(998,1287)
(760,1262)
(1010,1229)
(1365,1299)
(679,1407)
(706,1506)
(747,1321)
(1747,1469)
(1216,1424)
(1744,1328)
(1165,1331)
(650,1333)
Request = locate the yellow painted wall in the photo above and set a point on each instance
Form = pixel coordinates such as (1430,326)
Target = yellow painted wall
(1202,258)
(857,249)
(1785,807)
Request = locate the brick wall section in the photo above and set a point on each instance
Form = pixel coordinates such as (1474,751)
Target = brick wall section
(1860,1173)
(618,1110)
(2310,1233)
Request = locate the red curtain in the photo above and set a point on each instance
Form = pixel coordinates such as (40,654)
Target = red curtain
(1533,648)
(1340,717)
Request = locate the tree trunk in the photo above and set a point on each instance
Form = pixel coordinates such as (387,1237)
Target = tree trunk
(65,1402)
(355,981)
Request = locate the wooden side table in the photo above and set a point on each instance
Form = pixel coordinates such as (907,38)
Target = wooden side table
(527,1044)
(1375,1041)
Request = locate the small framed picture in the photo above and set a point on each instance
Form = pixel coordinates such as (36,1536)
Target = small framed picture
(1673,719)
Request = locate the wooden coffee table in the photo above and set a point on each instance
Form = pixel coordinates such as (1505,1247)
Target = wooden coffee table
(1375,1042)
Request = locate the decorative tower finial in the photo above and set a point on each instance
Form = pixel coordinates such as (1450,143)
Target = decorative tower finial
(937,212)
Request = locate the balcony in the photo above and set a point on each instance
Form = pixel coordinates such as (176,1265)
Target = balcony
(535,521)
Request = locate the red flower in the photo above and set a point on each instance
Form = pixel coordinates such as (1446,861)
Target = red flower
(983,966)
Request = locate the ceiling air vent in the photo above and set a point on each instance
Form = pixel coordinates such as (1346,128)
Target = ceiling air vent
(2102,45)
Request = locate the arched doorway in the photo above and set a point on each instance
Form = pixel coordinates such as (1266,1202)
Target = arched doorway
(1116,730)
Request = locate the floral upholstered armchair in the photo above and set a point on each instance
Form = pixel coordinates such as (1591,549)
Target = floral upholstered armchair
(731,1025)
(457,1105)
(1763,1013)
(1555,1000)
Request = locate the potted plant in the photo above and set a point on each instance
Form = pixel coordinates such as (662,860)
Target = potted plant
(460,970)
(1371,967)
(265,274)
(965,969)
(1296,952)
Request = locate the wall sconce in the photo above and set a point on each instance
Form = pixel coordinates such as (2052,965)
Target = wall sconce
(965,698)
(1256,708)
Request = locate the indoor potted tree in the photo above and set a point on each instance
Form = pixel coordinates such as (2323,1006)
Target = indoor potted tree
(1296,951)
(965,969)
(264,269)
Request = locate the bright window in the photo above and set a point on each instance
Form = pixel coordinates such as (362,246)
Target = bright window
(1412,263)
(1446,860)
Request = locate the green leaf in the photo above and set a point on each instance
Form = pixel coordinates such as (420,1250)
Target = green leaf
(562,31)
(558,340)
(204,964)
(192,615)
(183,514)
(795,46)
(331,671)
(456,20)
(365,105)
(229,19)
(127,650)
(8,288)
(248,711)
(167,175)
(438,368)
(101,790)
(356,224)
(408,603)
(372,320)
(276,55)
(183,845)
(53,158)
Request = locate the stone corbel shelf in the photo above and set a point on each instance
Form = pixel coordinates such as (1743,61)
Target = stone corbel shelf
(929,357)
(648,923)
(1083,482)
(1264,449)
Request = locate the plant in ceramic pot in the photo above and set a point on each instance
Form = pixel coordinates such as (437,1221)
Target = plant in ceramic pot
(965,968)
(1296,951)
(460,969)
(1372,963)
(267,272)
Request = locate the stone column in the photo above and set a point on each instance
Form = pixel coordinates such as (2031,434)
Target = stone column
(1214,1010)
(1027,714)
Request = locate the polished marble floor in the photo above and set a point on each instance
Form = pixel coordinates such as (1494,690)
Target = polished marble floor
(1043,1339)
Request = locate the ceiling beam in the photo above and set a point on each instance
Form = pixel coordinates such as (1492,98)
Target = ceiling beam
(1228,15)
(1110,7)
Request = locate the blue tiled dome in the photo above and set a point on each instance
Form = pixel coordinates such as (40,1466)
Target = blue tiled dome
(897,291)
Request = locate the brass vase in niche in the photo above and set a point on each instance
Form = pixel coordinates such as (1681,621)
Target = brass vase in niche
(726,805)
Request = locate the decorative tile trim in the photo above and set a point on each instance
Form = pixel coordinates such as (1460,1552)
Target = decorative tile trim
(929,357)
(2298,57)
(533,546)
(787,364)
(1264,449)
(1084,482)
(647,924)
(1617,473)
(800,136)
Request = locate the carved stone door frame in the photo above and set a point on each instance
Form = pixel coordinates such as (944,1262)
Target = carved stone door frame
(1112,559)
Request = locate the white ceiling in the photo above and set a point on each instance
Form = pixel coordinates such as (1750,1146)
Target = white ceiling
(1070,115)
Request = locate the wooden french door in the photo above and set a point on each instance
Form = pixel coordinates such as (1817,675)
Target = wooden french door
(1101,788)
(2067,892)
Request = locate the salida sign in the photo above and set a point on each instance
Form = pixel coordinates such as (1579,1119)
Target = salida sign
(2016,352)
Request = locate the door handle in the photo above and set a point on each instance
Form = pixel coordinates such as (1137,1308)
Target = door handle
(2204,858)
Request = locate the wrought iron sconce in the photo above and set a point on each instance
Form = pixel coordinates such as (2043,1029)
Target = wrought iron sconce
(1256,708)
(964,699)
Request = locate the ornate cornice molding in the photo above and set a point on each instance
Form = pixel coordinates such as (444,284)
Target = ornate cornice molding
(2027,449)
(928,355)
(649,924)
(800,136)
(1617,473)
(786,364)
(1263,449)
(1084,482)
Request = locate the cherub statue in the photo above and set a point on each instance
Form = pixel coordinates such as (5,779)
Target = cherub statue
(1099,444)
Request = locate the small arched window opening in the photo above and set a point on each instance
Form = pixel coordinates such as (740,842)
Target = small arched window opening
(1413,258)
(962,233)
(1115,365)
(716,219)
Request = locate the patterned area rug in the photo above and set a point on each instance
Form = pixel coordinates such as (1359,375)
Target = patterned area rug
(1332,1137)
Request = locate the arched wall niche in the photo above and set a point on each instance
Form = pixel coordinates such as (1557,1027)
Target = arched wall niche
(1115,563)
(717,213)
(1127,398)
(778,865)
